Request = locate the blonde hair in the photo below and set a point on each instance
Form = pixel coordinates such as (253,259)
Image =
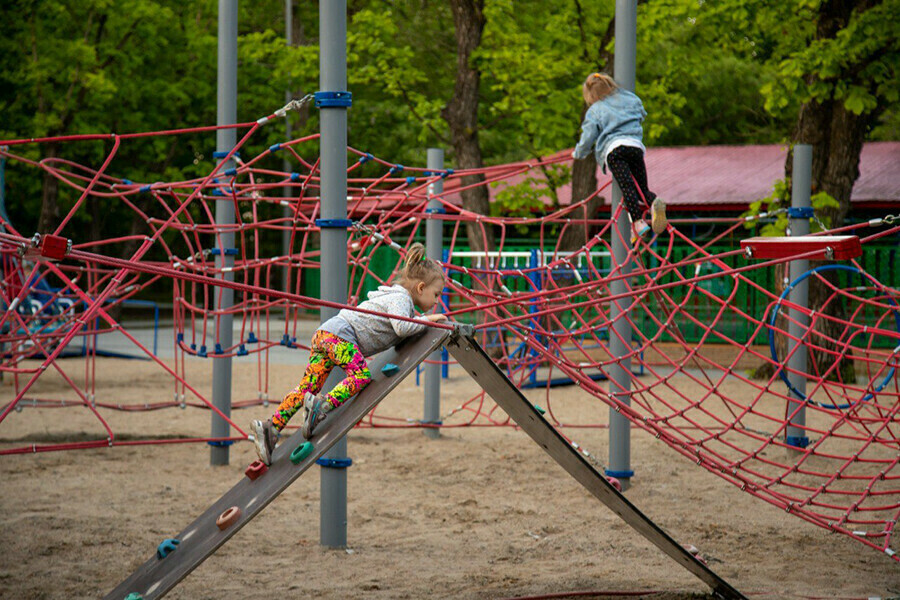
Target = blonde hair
(419,267)
(598,86)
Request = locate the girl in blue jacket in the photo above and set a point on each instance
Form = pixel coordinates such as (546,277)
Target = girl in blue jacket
(612,127)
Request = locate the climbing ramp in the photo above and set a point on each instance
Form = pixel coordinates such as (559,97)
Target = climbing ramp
(492,380)
(203,537)
(175,560)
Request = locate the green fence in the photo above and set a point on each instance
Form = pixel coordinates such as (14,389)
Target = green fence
(734,321)
(734,318)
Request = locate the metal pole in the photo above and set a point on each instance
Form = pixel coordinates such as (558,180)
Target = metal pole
(434,249)
(333,153)
(620,336)
(798,320)
(286,211)
(224,297)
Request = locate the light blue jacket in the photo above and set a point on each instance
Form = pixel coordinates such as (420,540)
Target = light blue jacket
(617,116)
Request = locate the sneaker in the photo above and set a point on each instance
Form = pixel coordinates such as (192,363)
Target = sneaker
(315,414)
(658,220)
(264,438)
(308,400)
(640,231)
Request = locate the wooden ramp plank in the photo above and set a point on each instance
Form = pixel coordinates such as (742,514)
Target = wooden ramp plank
(203,537)
(493,381)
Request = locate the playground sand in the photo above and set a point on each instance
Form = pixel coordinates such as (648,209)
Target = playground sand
(481,512)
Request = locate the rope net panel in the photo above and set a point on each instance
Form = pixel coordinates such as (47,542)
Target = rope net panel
(543,312)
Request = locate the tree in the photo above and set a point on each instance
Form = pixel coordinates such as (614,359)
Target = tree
(844,72)
(461,114)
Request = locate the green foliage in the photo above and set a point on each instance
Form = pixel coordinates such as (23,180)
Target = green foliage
(705,70)
(857,66)
(779,199)
(531,197)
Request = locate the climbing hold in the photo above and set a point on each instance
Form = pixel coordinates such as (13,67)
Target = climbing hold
(134,596)
(166,546)
(390,369)
(301,452)
(538,408)
(691,548)
(228,518)
(256,468)
(615,483)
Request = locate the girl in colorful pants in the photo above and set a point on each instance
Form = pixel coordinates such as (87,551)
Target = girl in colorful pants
(347,339)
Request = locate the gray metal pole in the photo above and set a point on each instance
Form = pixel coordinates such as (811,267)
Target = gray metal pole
(286,211)
(798,320)
(434,247)
(620,336)
(224,297)
(333,153)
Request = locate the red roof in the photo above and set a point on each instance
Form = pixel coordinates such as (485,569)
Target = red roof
(741,174)
(714,176)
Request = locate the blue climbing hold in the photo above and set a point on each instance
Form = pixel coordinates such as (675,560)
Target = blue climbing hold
(390,369)
(165,547)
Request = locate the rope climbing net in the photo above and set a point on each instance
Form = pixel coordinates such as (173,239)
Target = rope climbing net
(545,311)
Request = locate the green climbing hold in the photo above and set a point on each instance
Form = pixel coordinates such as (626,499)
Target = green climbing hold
(538,408)
(301,452)
(134,596)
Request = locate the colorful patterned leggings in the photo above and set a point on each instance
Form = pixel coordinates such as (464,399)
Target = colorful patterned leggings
(627,165)
(328,351)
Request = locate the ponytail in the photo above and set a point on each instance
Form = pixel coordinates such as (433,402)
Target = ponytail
(419,267)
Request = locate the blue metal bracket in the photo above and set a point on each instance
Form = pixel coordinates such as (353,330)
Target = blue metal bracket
(619,474)
(805,212)
(797,441)
(334,223)
(334,463)
(333,99)
(221,443)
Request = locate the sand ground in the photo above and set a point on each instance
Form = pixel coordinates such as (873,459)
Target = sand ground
(481,512)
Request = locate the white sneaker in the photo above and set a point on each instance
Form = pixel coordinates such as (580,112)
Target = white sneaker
(264,438)
(315,414)
(640,231)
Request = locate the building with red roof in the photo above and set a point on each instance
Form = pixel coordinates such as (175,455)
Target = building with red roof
(729,178)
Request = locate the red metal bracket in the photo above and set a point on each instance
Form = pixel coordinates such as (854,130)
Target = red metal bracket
(54,247)
(828,247)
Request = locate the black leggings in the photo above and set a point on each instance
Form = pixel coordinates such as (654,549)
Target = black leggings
(627,165)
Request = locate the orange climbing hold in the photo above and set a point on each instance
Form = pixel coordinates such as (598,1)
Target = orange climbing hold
(228,518)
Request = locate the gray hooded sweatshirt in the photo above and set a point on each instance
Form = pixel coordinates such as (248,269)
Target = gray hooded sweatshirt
(373,334)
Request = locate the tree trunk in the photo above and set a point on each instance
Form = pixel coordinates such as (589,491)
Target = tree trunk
(584,183)
(836,136)
(461,114)
(49,218)
(584,171)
